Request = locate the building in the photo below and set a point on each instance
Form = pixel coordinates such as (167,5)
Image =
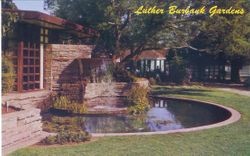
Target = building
(201,66)
(28,45)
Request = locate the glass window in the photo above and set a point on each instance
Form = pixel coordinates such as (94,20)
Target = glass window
(152,65)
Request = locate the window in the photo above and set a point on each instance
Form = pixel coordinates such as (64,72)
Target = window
(28,66)
(44,33)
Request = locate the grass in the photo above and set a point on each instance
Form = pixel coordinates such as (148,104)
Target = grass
(232,139)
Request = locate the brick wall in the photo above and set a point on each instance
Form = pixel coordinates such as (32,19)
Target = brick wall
(60,66)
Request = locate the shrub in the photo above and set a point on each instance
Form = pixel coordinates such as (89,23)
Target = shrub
(77,108)
(138,100)
(67,137)
(63,103)
(68,130)
(247,82)
(8,75)
(177,70)
(121,75)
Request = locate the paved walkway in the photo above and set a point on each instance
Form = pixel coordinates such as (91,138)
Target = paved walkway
(237,91)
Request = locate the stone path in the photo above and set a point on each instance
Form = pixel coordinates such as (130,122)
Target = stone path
(236,91)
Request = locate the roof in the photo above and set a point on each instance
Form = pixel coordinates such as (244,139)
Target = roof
(146,54)
(152,54)
(53,22)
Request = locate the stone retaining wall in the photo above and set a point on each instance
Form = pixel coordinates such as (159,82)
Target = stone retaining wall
(113,89)
(24,128)
(21,128)
(36,99)
(60,66)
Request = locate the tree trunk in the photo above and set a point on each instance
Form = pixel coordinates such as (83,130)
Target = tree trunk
(235,70)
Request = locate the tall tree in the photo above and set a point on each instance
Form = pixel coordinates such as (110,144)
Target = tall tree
(8,21)
(8,18)
(227,35)
(121,28)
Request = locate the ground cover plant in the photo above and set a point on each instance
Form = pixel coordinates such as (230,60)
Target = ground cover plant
(66,130)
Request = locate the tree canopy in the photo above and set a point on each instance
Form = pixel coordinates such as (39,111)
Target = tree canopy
(8,18)
(121,28)
(227,35)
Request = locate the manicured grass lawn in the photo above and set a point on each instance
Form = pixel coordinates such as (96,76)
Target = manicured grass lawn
(233,139)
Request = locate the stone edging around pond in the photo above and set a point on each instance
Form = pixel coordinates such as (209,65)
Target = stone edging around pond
(235,116)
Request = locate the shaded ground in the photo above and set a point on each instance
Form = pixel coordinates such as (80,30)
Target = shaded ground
(233,139)
(9,110)
(236,91)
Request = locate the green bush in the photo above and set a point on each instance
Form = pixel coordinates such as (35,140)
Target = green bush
(247,82)
(63,103)
(68,130)
(138,100)
(67,137)
(8,75)
(77,108)
(177,70)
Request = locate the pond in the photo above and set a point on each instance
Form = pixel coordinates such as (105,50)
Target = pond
(163,116)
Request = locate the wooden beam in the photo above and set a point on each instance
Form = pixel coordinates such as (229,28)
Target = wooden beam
(20,67)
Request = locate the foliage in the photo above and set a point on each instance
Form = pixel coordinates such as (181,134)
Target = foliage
(63,103)
(67,137)
(247,82)
(77,108)
(122,75)
(8,18)
(8,75)
(214,36)
(120,28)
(138,100)
(177,70)
(67,130)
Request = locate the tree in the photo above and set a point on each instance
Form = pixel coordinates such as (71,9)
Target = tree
(121,28)
(227,35)
(8,18)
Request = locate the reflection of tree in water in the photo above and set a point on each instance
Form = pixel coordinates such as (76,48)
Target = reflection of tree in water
(108,124)
(195,114)
(160,119)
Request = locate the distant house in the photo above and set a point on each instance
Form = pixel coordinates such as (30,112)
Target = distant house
(201,65)
(147,63)
(245,72)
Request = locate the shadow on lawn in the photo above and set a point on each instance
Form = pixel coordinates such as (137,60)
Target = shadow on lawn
(182,91)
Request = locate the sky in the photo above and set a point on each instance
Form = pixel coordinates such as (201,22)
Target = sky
(35,5)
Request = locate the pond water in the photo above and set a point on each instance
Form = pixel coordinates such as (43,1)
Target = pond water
(164,115)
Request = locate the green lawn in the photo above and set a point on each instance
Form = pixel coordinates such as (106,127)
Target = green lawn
(233,139)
